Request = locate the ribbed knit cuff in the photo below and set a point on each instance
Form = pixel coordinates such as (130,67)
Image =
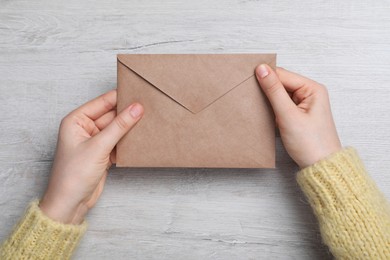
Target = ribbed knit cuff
(354,216)
(335,180)
(37,236)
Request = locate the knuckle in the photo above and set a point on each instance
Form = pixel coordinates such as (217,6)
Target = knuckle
(273,87)
(107,104)
(121,123)
(63,122)
(66,121)
(322,88)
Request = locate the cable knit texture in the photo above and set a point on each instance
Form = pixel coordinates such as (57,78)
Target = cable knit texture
(38,237)
(353,214)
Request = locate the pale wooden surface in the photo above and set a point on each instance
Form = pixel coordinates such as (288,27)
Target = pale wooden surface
(55,55)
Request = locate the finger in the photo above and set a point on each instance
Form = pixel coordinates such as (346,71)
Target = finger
(121,124)
(274,90)
(98,106)
(105,119)
(293,81)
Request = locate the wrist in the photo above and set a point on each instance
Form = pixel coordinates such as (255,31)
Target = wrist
(320,155)
(63,210)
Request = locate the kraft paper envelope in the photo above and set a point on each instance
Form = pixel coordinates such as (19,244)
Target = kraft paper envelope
(200,110)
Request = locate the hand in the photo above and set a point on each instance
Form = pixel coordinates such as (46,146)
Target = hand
(303,114)
(85,151)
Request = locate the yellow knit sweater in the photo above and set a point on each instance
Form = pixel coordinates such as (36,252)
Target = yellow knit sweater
(353,214)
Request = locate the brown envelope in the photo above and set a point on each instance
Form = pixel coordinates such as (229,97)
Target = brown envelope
(201,110)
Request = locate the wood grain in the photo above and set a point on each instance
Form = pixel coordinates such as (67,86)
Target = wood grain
(56,55)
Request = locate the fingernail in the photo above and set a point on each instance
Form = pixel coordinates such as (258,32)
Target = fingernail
(262,71)
(136,110)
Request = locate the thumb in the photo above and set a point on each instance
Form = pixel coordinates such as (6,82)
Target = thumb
(121,124)
(274,90)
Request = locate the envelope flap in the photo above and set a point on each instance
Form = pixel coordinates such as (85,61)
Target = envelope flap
(195,80)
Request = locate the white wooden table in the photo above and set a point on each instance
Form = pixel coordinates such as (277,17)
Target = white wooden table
(55,55)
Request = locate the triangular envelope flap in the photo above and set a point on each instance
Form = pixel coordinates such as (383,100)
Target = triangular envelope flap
(195,80)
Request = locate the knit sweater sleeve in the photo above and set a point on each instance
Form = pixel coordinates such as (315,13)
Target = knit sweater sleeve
(38,237)
(354,216)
